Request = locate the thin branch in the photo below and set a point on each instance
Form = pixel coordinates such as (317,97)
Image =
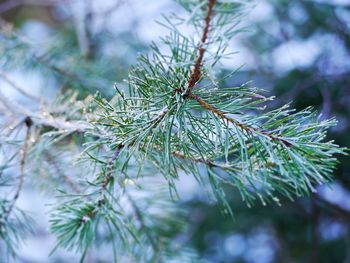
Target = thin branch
(51,160)
(17,88)
(83,30)
(196,73)
(41,59)
(160,116)
(244,127)
(108,176)
(44,119)
(24,151)
(200,160)
(343,213)
(112,8)
(71,76)
(141,220)
(13,106)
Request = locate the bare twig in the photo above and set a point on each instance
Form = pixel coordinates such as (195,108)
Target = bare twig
(243,126)
(23,152)
(196,73)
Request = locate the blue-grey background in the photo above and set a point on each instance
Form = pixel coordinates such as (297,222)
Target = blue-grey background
(297,50)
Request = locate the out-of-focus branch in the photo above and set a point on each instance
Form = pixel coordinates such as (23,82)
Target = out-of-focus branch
(345,214)
(50,158)
(8,29)
(140,218)
(17,88)
(23,152)
(43,119)
(11,4)
(112,8)
(83,30)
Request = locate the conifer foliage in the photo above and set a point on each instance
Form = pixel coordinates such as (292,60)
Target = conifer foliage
(175,118)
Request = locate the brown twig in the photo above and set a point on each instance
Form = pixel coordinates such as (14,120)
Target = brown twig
(247,129)
(196,73)
(24,151)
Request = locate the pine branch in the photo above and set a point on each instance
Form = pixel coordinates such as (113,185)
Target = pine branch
(196,75)
(171,119)
(270,145)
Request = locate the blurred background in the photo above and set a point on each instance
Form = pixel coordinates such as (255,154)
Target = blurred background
(297,50)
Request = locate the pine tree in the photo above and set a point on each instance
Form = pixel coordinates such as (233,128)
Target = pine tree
(116,161)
